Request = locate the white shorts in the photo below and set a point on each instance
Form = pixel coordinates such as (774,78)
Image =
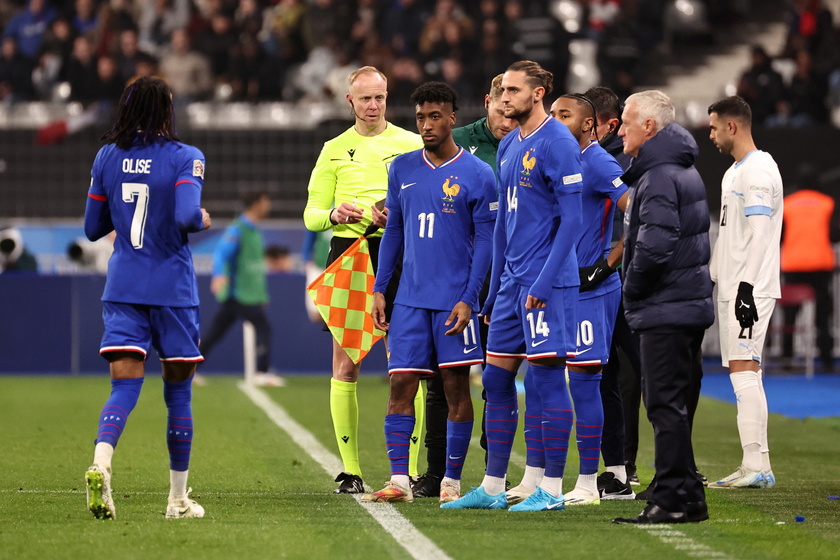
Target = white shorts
(743,344)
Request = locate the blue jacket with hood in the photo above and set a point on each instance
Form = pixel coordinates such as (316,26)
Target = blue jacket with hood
(666,249)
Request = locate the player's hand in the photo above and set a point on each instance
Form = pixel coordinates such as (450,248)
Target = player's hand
(380,217)
(378,311)
(745,310)
(592,276)
(346,214)
(485,318)
(205,218)
(534,303)
(462,313)
(218,283)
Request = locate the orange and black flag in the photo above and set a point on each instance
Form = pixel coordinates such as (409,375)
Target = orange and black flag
(343,295)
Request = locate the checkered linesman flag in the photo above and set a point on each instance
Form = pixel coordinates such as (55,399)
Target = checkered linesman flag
(343,295)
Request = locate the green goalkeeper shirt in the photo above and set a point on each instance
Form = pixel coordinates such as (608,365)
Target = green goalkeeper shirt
(477,139)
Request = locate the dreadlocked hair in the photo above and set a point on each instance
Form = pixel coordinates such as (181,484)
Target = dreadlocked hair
(145,110)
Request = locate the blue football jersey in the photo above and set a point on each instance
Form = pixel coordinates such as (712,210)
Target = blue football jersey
(536,173)
(152,263)
(435,211)
(602,187)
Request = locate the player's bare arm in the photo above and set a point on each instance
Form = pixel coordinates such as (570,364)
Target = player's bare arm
(378,311)
(462,313)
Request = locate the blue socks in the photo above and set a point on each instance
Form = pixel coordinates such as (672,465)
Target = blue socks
(179,423)
(398,429)
(550,383)
(112,419)
(535,451)
(589,411)
(501,417)
(458,436)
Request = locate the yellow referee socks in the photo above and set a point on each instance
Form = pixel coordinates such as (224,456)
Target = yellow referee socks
(344,407)
(416,442)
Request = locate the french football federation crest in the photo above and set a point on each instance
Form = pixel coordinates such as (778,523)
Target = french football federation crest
(451,190)
(528,163)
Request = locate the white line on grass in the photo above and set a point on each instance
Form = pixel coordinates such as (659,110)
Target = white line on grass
(682,542)
(413,541)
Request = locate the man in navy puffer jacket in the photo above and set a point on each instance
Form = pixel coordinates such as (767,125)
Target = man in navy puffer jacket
(667,294)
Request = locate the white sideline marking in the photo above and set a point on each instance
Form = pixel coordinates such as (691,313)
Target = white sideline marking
(413,541)
(667,534)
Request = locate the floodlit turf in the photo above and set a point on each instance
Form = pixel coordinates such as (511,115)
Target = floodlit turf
(267,498)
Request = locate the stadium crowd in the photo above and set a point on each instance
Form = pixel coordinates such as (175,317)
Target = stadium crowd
(292,50)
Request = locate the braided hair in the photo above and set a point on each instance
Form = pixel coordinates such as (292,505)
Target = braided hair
(145,110)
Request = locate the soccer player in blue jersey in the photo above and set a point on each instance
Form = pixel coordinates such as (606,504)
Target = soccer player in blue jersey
(600,292)
(442,206)
(146,186)
(533,290)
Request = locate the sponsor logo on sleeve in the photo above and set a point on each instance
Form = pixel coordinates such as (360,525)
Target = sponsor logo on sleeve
(198,168)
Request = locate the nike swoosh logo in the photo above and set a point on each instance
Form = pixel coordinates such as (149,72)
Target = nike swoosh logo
(451,458)
(535,344)
(494,503)
(501,163)
(591,276)
(552,506)
(404,186)
(584,351)
(468,350)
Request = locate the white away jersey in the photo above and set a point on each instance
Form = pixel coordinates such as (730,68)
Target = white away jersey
(749,187)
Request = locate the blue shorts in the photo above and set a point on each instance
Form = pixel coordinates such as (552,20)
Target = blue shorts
(417,342)
(516,332)
(596,321)
(172,331)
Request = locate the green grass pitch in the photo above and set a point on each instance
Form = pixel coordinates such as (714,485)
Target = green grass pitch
(266,497)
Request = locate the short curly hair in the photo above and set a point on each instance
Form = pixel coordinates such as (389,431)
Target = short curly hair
(435,92)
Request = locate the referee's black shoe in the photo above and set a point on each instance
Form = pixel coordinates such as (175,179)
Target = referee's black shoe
(350,484)
(427,486)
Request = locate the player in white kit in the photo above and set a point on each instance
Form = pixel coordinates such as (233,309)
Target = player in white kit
(745,267)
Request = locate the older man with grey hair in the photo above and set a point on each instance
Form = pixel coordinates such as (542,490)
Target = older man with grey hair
(667,294)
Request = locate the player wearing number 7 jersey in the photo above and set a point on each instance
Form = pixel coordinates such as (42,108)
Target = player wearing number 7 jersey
(146,186)
(441,210)
(533,290)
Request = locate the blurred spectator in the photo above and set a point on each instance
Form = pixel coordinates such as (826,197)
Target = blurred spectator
(406,75)
(129,53)
(59,38)
(493,53)
(288,24)
(330,17)
(187,71)
(113,18)
(620,53)
(811,27)
(216,42)
(15,74)
(761,86)
(335,85)
(804,100)
(452,72)
(366,20)
(85,17)
(449,26)
(278,259)
(254,75)
(13,254)
(109,82)
(28,27)
(248,17)
(403,22)
(158,20)
(80,72)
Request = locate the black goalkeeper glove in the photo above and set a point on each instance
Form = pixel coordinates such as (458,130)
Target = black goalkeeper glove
(745,310)
(591,276)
